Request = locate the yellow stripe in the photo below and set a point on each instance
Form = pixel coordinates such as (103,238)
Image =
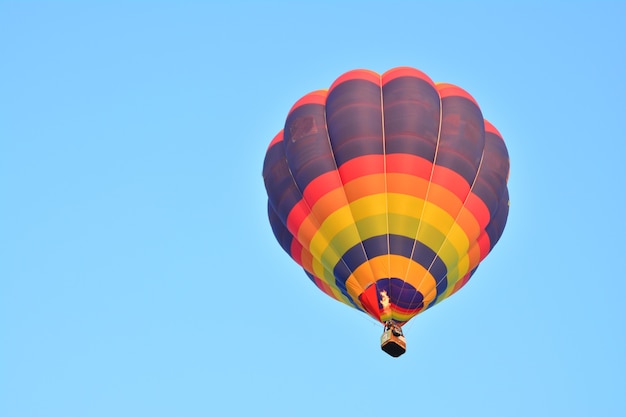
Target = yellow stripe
(325,275)
(418,276)
(468,262)
(436,224)
(369,206)
(339,232)
(328,277)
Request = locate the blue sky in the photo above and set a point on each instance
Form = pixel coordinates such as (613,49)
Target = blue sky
(139,274)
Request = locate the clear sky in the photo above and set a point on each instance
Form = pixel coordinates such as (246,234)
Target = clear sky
(138,272)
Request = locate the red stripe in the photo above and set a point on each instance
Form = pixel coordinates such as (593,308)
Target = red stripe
(321,186)
(369,301)
(398,72)
(277,138)
(478,209)
(460,283)
(403,163)
(296,216)
(358,74)
(307,260)
(366,165)
(485,245)
(360,166)
(323,286)
(450,180)
(489,128)
(372,164)
(314,97)
(451,90)
(296,251)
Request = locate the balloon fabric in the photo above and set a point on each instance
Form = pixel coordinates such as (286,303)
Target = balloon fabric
(389,190)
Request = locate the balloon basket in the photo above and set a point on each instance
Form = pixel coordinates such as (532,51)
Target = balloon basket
(393,342)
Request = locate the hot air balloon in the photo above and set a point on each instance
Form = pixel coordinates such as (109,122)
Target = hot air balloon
(388,190)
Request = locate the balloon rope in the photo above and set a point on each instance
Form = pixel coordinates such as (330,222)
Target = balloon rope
(332,152)
(455,221)
(419,224)
(318,224)
(384,139)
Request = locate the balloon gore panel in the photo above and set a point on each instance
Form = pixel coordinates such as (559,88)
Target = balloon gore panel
(388,190)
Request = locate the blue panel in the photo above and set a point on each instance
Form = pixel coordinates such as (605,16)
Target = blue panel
(354,118)
(283,236)
(398,245)
(496,225)
(282,192)
(401,293)
(307,147)
(411,109)
(491,180)
(462,137)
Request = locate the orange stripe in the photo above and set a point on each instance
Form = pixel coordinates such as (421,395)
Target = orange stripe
(407,184)
(321,186)
(451,180)
(460,283)
(444,199)
(334,199)
(474,256)
(307,260)
(469,224)
(329,203)
(479,210)
(364,186)
(306,231)
(472,218)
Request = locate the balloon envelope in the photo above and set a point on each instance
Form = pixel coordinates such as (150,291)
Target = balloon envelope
(388,190)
